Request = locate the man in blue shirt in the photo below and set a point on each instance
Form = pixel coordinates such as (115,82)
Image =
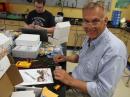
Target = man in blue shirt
(101,60)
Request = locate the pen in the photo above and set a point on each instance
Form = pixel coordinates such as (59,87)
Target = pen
(29,75)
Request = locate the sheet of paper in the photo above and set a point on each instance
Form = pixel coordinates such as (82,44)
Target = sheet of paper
(23,94)
(5,41)
(61,32)
(36,76)
(37,90)
(47,93)
(4,65)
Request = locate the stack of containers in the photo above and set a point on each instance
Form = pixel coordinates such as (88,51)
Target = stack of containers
(27,46)
(116,15)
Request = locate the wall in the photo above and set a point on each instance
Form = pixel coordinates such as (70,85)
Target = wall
(68,12)
(126,12)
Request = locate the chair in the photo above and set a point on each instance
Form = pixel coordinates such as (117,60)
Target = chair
(128,75)
(128,63)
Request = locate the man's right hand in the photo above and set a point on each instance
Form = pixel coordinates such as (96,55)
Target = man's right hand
(59,58)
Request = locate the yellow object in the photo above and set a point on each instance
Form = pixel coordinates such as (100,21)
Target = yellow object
(47,93)
(23,64)
(57,87)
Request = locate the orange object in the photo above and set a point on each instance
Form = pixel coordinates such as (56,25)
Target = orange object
(57,87)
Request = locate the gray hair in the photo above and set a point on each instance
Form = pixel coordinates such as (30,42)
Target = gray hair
(93,5)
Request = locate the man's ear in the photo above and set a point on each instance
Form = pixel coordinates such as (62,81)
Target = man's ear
(106,20)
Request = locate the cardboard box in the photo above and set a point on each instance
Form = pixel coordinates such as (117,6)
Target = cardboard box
(11,78)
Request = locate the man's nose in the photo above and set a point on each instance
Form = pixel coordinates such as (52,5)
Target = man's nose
(89,27)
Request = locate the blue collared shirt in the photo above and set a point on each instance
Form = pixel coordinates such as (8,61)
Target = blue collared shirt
(101,64)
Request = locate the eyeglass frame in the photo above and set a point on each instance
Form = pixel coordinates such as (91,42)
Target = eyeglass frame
(94,23)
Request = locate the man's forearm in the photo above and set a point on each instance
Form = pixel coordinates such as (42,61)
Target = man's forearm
(49,30)
(73,58)
(78,84)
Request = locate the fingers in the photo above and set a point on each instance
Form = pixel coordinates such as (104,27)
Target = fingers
(63,76)
(58,74)
(59,58)
(31,26)
(38,27)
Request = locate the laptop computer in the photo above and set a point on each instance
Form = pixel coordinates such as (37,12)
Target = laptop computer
(42,33)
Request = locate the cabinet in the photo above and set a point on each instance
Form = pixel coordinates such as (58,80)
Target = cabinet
(11,24)
(124,36)
(66,3)
(2,23)
(121,34)
(76,36)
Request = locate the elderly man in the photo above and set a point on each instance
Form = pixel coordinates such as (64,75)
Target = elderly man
(101,60)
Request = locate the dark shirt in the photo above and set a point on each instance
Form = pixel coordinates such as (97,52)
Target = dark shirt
(45,19)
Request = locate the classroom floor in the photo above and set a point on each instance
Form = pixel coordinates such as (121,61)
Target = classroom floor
(121,90)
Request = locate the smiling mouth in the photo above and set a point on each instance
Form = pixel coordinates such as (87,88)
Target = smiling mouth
(91,32)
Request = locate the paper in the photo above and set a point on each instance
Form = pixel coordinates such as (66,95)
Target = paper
(4,65)
(54,41)
(36,76)
(5,42)
(37,90)
(61,32)
(23,94)
(47,93)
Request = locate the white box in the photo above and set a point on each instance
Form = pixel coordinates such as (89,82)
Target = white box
(26,51)
(28,40)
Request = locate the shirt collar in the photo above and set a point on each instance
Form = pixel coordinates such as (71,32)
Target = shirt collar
(94,42)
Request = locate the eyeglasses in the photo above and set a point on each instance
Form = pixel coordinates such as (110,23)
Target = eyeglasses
(94,22)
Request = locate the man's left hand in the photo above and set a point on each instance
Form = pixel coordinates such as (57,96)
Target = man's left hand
(38,27)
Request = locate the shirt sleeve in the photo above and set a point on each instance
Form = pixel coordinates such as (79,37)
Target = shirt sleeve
(51,22)
(107,77)
(28,19)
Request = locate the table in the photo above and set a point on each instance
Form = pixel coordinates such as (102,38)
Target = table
(44,62)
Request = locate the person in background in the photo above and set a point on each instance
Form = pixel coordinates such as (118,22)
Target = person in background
(102,59)
(40,18)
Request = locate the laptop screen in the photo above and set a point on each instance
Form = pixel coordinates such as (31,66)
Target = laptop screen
(42,33)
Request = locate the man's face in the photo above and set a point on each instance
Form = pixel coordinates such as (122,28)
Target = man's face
(39,7)
(94,22)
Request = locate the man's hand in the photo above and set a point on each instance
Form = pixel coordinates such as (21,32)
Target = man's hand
(38,27)
(63,76)
(59,58)
(30,26)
